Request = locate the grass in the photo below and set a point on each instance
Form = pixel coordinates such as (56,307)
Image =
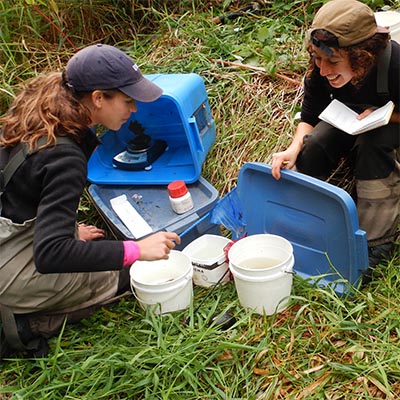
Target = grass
(323,346)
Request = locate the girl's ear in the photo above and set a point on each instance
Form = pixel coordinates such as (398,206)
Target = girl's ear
(97,98)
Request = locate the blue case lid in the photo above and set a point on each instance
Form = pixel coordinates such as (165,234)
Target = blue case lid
(319,219)
(181,117)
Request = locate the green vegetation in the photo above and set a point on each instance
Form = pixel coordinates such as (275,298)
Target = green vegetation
(322,346)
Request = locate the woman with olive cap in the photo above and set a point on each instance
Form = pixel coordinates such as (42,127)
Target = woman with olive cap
(345,46)
(49,268)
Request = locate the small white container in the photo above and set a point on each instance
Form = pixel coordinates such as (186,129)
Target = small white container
(179,197)
(208,259)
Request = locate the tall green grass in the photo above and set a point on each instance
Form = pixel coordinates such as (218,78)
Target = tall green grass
(323,346)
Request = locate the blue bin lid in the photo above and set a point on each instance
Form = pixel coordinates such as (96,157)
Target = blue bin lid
(319,219)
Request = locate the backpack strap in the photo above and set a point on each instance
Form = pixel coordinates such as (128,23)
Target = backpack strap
(382,84)
(20,156)
(8,171)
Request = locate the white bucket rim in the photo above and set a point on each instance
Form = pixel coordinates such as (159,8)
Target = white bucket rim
(287,270)
(241,242)
(214,261)
(152,264)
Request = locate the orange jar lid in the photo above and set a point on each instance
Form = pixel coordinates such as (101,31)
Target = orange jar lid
(177,189)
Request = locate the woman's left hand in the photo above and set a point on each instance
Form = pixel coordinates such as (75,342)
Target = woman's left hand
(89,232)
(366,112)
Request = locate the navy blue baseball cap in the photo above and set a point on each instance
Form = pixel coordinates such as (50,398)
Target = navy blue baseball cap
(102,66)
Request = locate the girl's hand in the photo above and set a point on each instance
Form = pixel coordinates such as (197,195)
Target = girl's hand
(89,232)
(157,246)
(283,159)
(366,112)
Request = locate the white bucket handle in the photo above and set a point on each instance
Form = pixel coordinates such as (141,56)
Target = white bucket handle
(288,269)
(181,285)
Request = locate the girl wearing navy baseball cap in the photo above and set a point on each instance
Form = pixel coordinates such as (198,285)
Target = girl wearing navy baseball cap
(51,268)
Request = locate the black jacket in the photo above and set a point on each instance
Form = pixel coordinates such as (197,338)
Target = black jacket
(48,186)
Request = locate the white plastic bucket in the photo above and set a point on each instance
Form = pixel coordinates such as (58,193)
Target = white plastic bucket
(165,285)
(391,20)
(262,268)
(208,259)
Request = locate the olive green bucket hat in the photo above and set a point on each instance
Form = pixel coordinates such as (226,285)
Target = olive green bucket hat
(350,21)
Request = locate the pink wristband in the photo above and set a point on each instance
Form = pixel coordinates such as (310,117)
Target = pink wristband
(131,252)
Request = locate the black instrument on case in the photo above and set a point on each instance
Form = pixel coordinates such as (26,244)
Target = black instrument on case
(141,151)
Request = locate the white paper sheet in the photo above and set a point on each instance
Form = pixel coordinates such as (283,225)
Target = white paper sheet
(130,217)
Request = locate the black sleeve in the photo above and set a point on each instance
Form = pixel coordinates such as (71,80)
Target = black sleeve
(316,98)
(62,171)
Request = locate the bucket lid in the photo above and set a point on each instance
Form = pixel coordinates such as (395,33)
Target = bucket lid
(319,219)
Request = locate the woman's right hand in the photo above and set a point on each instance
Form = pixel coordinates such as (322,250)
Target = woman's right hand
(287,159)
(157,246)
(283,159)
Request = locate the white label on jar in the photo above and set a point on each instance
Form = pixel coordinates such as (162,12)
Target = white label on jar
(182,204)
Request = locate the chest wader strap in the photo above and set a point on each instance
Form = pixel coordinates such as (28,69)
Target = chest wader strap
(9,326)
(36,346)
(19,157)
(382,84)
(8,171)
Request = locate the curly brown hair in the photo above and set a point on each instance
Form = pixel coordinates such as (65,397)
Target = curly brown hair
(44,107)
(362,56)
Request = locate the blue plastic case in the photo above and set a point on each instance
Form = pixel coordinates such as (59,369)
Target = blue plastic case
(181,117)
(319,219)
